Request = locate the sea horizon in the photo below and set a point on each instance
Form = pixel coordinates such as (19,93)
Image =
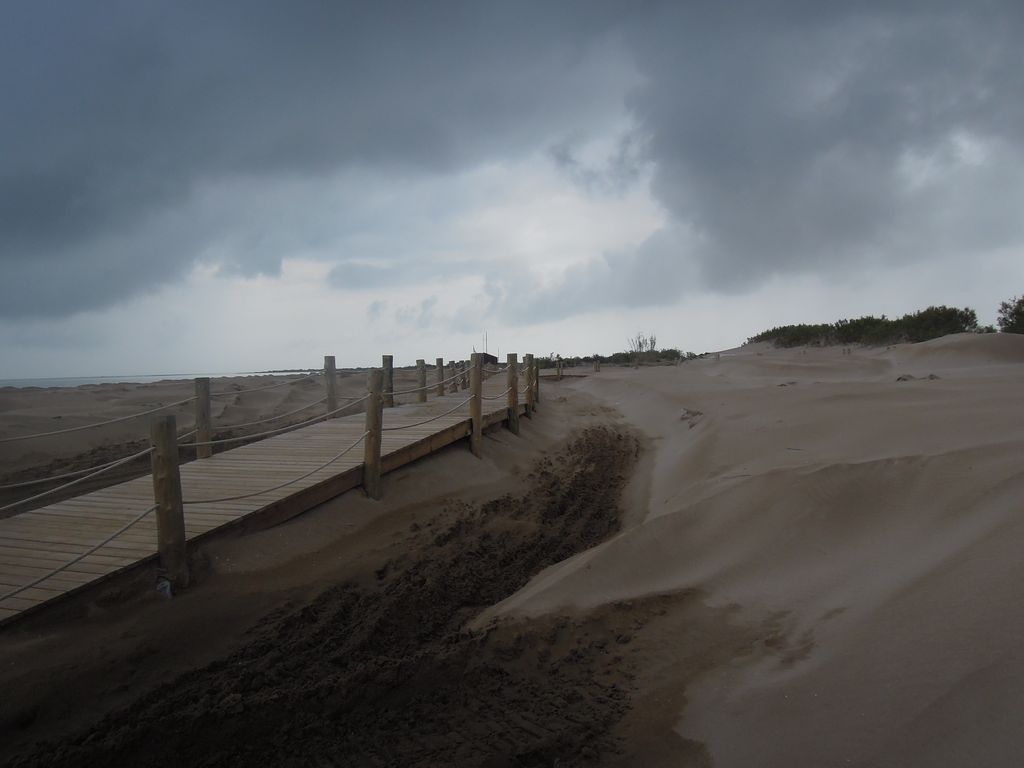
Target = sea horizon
(48,382)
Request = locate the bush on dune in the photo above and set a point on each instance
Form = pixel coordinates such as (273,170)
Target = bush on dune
(1011,315)
(930,323)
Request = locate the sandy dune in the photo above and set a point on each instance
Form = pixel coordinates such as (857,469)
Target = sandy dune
(876,524)
(818,565)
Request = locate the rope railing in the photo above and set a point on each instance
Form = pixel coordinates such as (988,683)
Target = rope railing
(52,478)
(78,558)
(496,397)
(428,387)
(281,430)
(100,471)
(282,485)
(98,423)
(274,418)
(263,389)
(427,421)
(166,456)
(75,473)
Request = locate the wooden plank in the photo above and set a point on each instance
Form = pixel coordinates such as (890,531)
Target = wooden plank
(77,572)
(121,542)
(38,554)
(17,603)
(51,558)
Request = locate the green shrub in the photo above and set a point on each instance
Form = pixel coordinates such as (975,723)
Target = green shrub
(1011,315)
(925,324)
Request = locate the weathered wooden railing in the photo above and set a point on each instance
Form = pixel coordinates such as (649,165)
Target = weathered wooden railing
(164,451)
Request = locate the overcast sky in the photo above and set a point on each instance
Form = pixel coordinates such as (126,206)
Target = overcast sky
(200,186)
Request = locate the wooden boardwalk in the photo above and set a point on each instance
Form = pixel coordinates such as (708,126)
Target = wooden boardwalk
(33,544)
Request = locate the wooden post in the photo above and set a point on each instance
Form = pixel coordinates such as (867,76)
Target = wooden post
(536,383)
(464,379)
(203,418)
(421,380)
(388,363)
(476,404)
(331,380)
(170,515)
(528,375)
(453,385)
(597,364)
(513,392)
(559,369)
(374,422)
(439,362)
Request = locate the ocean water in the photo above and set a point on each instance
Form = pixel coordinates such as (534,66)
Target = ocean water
(77,381)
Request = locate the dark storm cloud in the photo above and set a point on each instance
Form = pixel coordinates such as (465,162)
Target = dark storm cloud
(779,134)
(800,137)
(115,114)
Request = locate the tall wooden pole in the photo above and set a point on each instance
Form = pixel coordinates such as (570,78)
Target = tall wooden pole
(421,380)
(203,429)
(528,375)
(170,514)
(439,362)
(476,404)
(513,391)
(453,386)
(331,380)
(374,422)
(536,383)
(388,363)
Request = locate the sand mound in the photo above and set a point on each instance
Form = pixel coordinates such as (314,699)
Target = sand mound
(878,521)
(964,350)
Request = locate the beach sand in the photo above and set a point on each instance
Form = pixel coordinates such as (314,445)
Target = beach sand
(774,558)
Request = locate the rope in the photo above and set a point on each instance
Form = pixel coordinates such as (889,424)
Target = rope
(427,421)
(98,423)
(269,432)
(282,485)
(75,473)
(275,418)
(100,471)
(261,389)
(496,397)
(80,557)
(427,387)
(50,479)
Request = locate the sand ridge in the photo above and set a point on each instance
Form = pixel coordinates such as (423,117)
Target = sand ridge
(817,565)
(881,517)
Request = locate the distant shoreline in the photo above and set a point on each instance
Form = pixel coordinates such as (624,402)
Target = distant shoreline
(141,378)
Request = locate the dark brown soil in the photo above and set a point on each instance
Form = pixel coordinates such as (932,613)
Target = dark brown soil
(385,673)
